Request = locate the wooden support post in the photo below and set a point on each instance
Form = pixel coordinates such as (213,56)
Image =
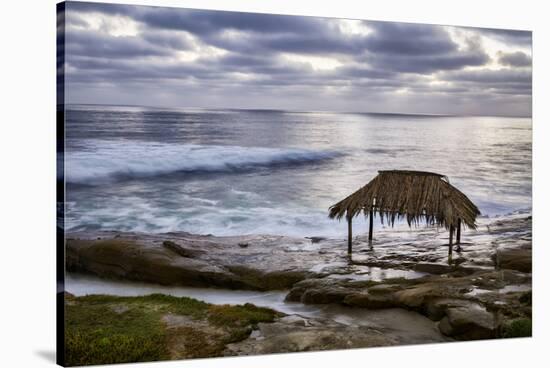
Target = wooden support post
(370,225)
(451,231)
(458,232)
(349,235)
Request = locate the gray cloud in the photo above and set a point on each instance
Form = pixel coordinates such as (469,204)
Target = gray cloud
(208,22)
(409,39)
(517,58)
(491,76)
(421,49)
(240,61)
(508,36)
(85,43)
(204,22)
(503,81)
(427,64)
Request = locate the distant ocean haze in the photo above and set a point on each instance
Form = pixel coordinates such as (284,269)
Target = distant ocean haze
(233,172)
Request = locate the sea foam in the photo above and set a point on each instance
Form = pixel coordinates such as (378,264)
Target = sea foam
(102,160)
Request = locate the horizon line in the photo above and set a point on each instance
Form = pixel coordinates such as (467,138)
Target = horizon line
(299,111)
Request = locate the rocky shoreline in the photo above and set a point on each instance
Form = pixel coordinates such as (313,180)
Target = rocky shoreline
(466,307)
(112,329)
(483,292)
(265,262)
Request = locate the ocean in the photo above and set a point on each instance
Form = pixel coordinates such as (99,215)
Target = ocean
(234,172)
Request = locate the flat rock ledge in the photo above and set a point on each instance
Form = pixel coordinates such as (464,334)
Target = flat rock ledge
(185,260)
(267,262)
(294,333)
(467,307)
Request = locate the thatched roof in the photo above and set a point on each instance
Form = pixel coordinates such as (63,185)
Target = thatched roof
(413,195)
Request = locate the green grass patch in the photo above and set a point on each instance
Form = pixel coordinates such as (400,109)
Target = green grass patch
(96,334)
(160,302)
(239,315)
(521,327)
(104,329)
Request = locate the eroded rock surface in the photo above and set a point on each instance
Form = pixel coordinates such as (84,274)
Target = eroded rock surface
(278,262)
(468,307)
(295,333)
(471,295)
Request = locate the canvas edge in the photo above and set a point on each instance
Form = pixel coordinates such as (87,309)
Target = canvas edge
(60,183)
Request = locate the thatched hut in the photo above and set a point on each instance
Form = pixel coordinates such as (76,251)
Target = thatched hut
(413,195)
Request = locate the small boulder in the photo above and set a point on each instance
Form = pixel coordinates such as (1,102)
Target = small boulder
(436,309)
(469,321)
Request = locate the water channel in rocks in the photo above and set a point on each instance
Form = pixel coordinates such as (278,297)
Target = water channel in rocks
(406,326)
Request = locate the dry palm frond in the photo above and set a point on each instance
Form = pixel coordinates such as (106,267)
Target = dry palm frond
(413,195)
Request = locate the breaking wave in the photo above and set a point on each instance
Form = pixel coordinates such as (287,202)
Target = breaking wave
(103,161)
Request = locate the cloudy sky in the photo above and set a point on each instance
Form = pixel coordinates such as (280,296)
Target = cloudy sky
(170,57)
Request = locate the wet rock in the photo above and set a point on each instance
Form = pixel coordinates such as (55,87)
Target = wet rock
(462,314)
(442,269)
(298,289)
(279,262)
(370,300)
(513,259)
(243,245)
(295,319)
(275,262)
(127,259)
(436,309)
(178,249)
(385,288)
(416,297)
(468,321)
(324,296)
(316,239)
(294,295)
(458,261)
(276,280)
(433,268)
(318,291)
(286,335)
(256,334)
